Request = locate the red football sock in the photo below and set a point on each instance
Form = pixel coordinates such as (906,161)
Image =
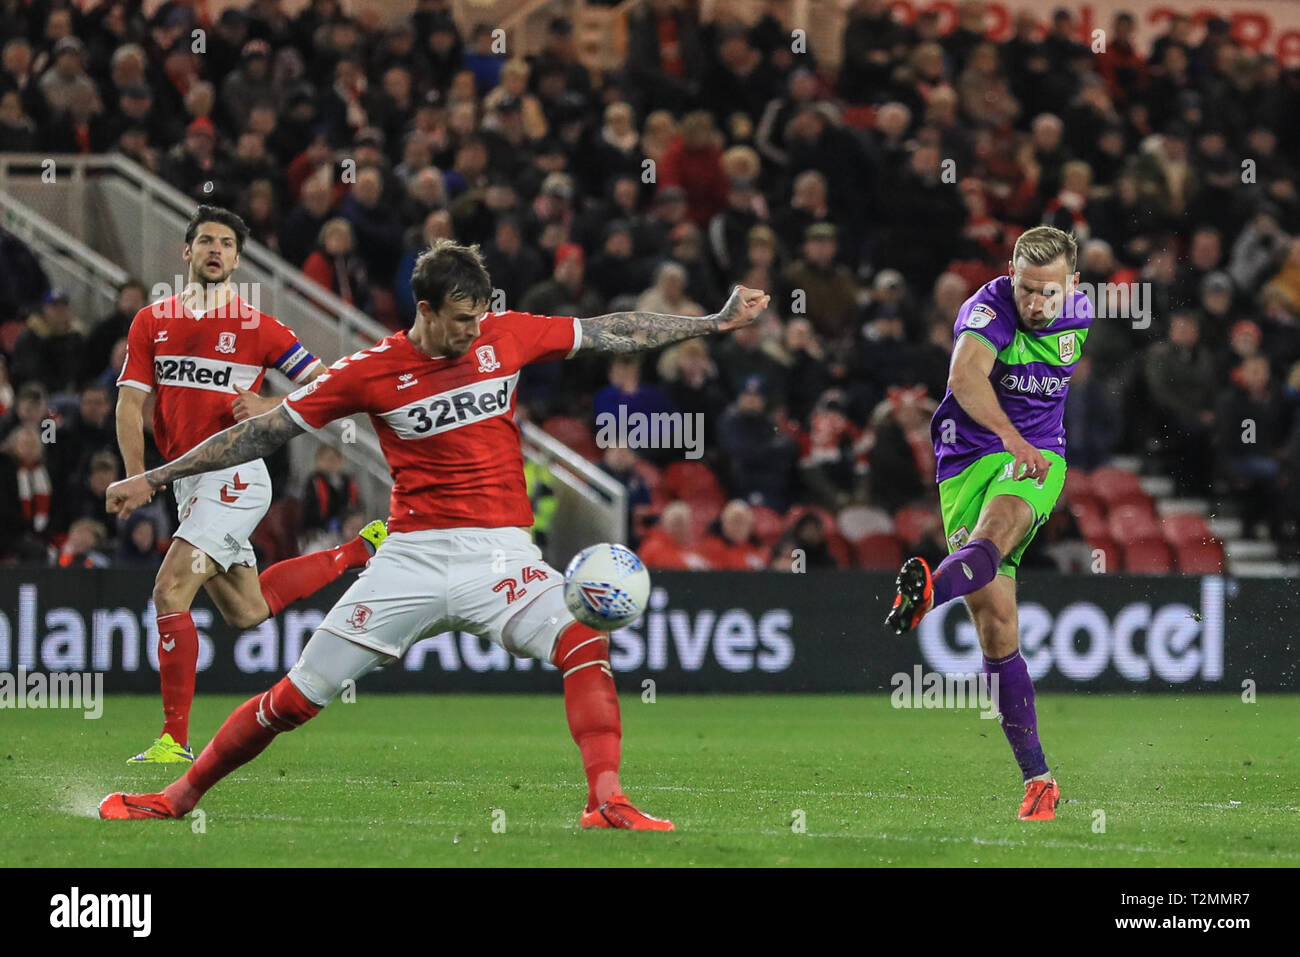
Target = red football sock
(582,655)
(287,581)
(246,733)
(178,658)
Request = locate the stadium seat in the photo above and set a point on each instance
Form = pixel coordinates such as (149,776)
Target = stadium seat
(1092,526)
(1087,508)
(768,525)
(574,433)
(1186,528)
(1077,482)
(879,551)
(1199,558)
(277,534)
(1111,484)
(856,522)
(910,523)
(703,513)
(692,481)
(1111,554)
(1133,523)
(1148,558)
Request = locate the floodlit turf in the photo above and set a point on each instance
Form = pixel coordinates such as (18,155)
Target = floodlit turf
(415,780)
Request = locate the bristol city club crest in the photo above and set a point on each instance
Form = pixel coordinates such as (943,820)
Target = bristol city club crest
(226,343)
(1067,346)
(360,615)
(487,359)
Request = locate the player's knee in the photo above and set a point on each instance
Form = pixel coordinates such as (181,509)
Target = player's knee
(285,707)
(312,686)
(579,647)
(243,616)
(170,593)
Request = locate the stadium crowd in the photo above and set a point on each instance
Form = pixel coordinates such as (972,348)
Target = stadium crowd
(870,200)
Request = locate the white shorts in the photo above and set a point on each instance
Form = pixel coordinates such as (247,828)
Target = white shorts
(490,582)
(218,511)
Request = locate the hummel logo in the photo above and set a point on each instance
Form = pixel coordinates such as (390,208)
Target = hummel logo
(966,568)
(169,645)
(407,379)
(161,336)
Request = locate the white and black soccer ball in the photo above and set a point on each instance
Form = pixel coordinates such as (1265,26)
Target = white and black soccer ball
(606,586)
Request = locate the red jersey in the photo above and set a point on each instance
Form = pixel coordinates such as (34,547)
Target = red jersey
(195,362)
(446,425)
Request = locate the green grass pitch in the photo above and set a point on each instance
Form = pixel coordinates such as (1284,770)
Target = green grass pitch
(1188,780)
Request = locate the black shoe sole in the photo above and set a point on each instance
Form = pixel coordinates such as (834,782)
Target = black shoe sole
(911,586)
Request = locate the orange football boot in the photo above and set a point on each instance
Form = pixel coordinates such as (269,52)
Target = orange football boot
(618,812)
(135,807)
(915,596)
(1041,798)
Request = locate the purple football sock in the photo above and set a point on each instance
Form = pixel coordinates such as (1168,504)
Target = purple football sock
(1014,698)
(968,569)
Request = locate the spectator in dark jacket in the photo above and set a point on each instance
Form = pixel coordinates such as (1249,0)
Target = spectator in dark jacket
(761,459)
(51,349)
(327,496)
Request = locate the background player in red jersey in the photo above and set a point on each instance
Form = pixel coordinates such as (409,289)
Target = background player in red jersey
(203,354)
(458,555)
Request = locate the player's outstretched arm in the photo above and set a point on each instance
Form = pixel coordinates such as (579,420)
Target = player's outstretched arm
(244,442)
(622,332)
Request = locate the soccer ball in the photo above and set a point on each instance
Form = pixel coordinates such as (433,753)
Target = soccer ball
(606,586)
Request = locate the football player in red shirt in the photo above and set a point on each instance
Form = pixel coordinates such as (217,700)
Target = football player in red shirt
(458,554)
(202,355)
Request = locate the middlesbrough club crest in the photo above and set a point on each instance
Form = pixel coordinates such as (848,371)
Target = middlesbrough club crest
(487,359)
(360,615)
(226,343)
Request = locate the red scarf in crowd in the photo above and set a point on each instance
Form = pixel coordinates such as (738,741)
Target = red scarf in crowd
(34,495)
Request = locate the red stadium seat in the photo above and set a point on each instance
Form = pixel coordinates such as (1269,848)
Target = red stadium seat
(856,522)
(1111,555)
(1186,528)
(1077,482)
(1087,508)
(879,552)
(1199,558)
(769,525)
(1133,523)
(1148,558)
(574,433)
(692,481)
(910,523)
(1110,483)
(1090,527)
(277,534)
(703,512)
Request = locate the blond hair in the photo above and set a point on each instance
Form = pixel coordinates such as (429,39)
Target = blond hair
(1045,244)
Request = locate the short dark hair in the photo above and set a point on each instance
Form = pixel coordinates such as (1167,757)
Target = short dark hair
(449,270)
(215,214)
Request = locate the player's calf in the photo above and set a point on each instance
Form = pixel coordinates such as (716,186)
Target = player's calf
(966,570)
(246,733)
(591,705)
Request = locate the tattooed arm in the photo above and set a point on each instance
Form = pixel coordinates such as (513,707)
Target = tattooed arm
(622,332)
(244,442)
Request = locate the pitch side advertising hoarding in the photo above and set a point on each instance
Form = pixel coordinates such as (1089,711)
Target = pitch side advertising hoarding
(713,632)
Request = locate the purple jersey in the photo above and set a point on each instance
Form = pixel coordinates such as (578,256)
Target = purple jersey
(1031,376)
